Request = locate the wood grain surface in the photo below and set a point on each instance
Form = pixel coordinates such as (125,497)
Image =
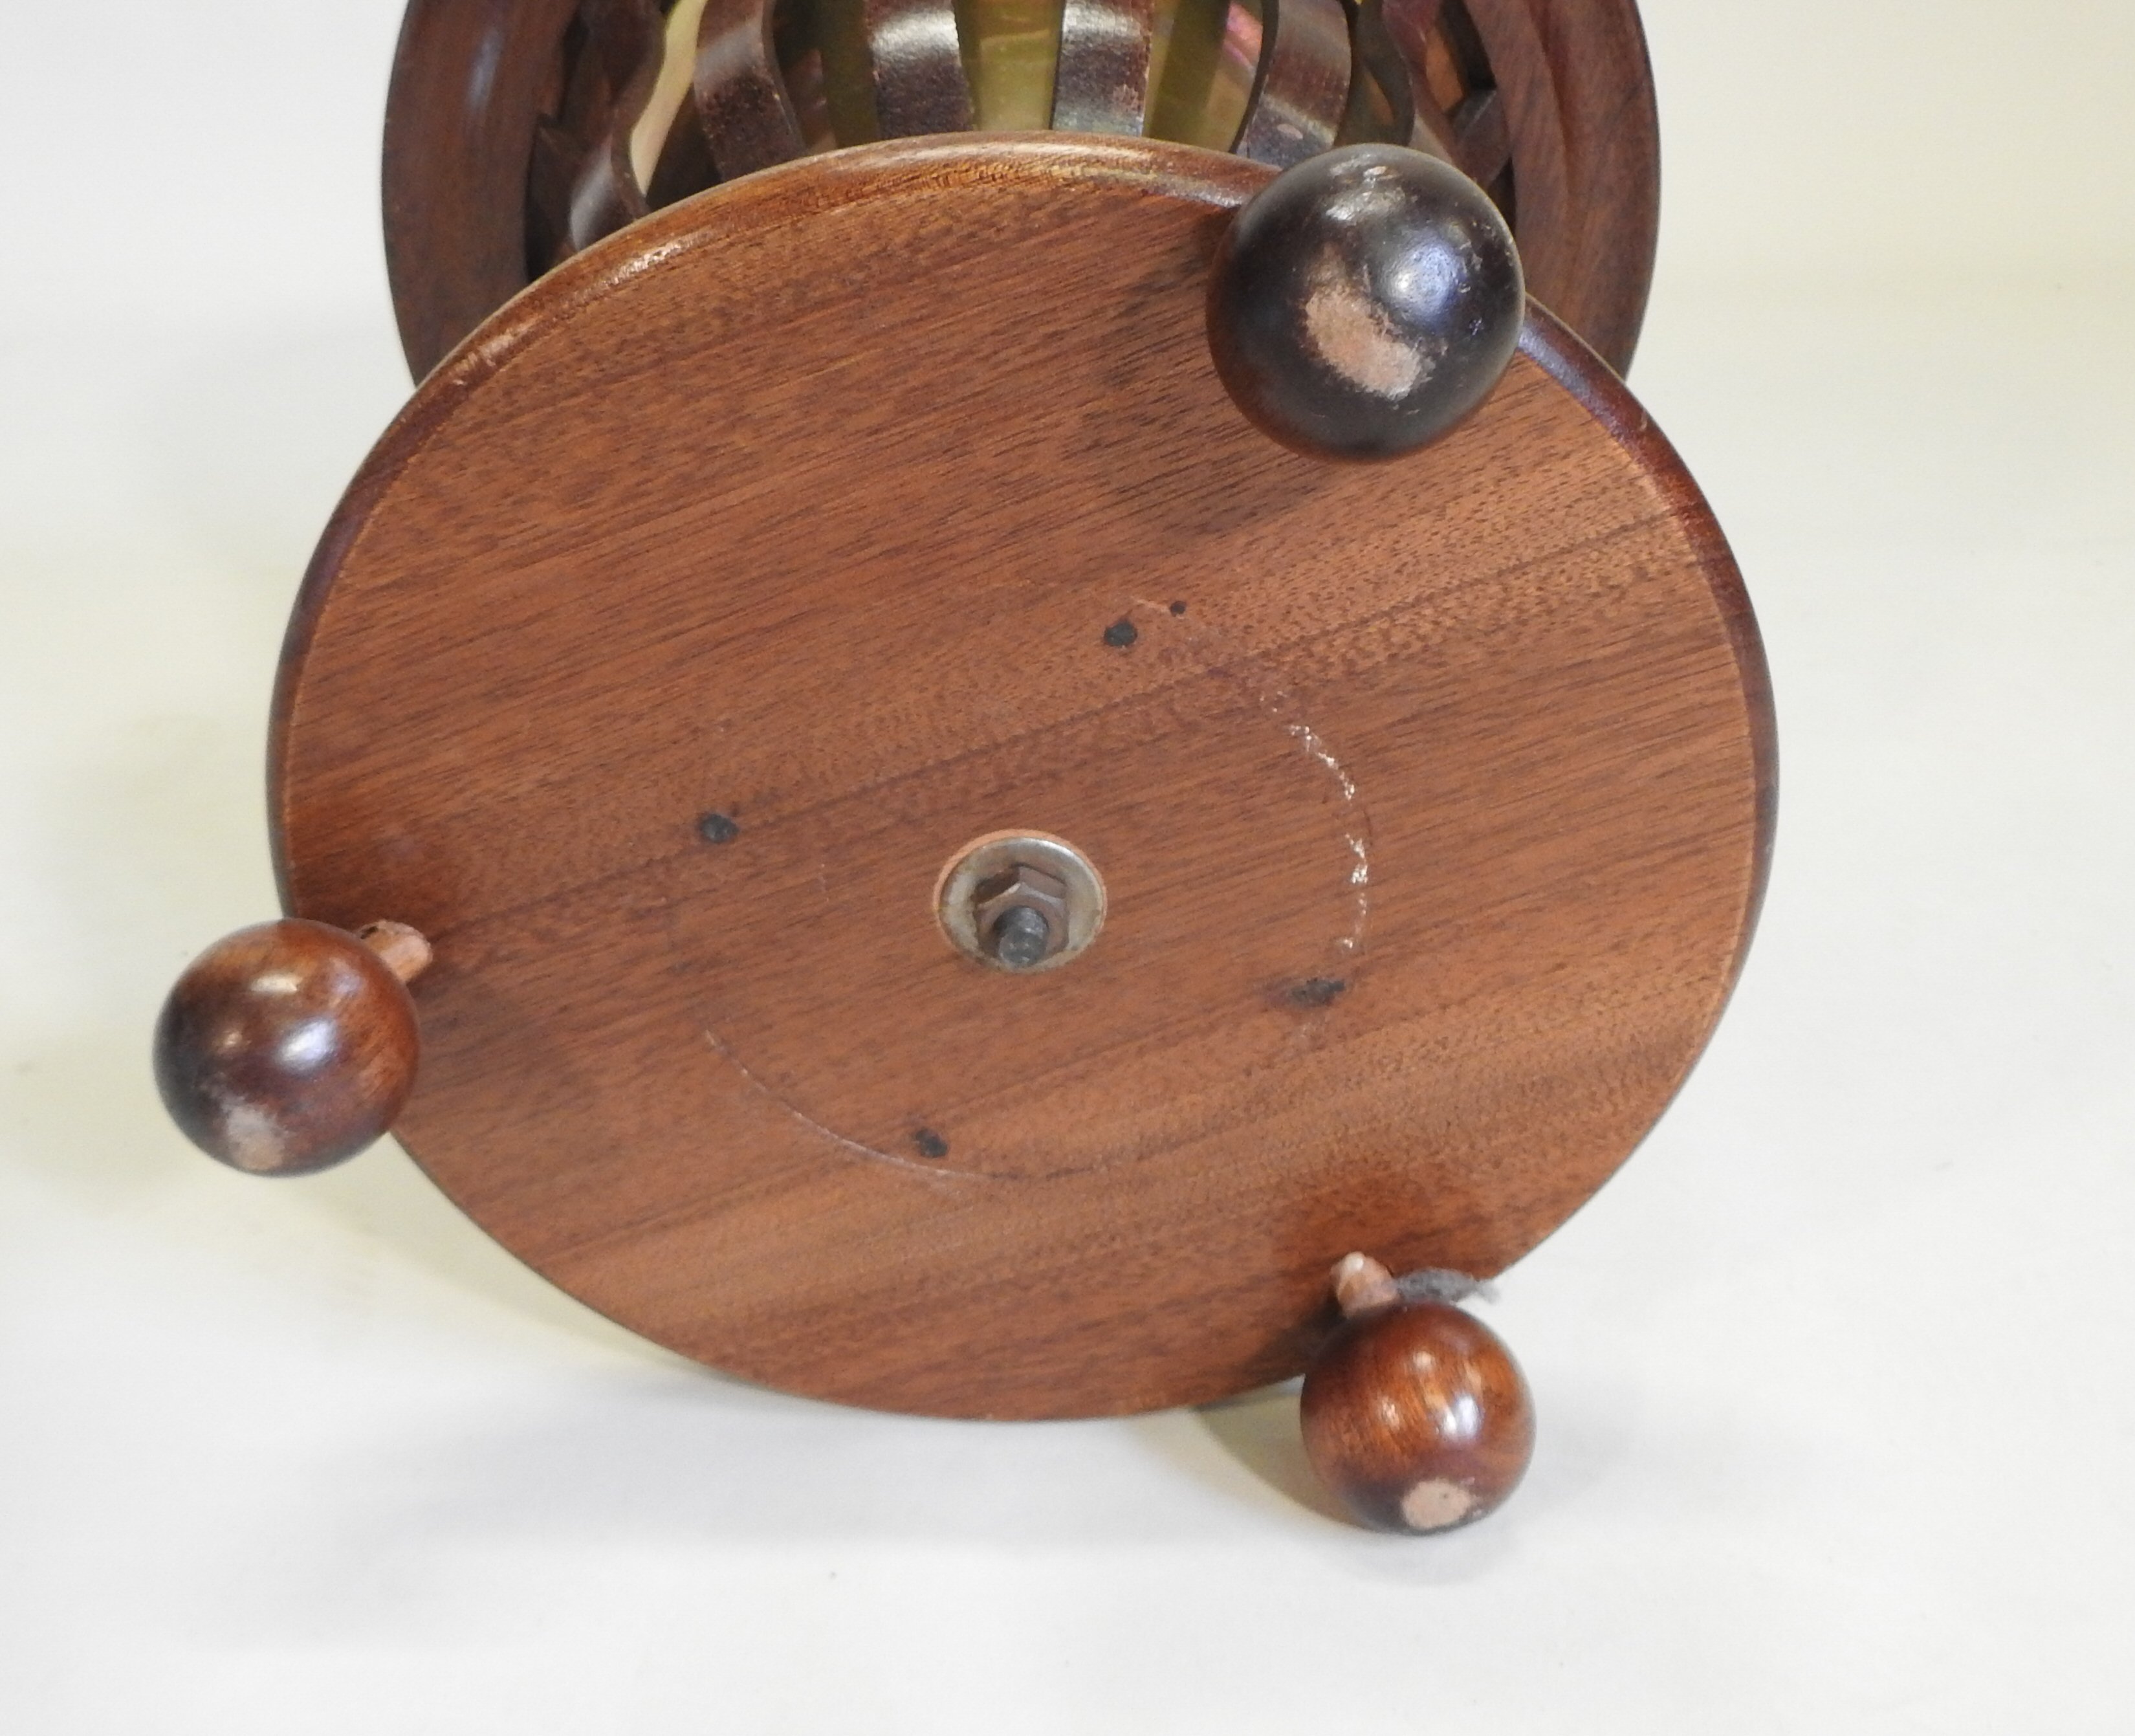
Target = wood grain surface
(1432,798)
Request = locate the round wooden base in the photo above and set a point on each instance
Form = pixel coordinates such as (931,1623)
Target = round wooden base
(703,609)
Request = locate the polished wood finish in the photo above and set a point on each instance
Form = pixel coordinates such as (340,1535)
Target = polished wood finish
(620,66)
(1416,1416)
(1546,102)
(1431,799)
(289,1047)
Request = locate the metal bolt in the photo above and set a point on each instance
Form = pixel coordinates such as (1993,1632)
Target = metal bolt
(1021,916)
(1019,902)
(1021,937)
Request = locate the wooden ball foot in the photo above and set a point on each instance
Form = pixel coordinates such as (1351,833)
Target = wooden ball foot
(1364,303)
(1414,1413)
(288,1047)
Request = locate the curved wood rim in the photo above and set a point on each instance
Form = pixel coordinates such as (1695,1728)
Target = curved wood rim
(776,1240)
(458,149)
(1586,158)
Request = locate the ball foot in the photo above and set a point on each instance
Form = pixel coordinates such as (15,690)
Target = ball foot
(1364,301)
(1414,1413)
(287,1047)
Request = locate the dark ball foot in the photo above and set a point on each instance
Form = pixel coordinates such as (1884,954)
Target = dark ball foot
(1364,301)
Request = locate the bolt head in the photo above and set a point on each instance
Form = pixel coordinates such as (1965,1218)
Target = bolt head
(1021,937)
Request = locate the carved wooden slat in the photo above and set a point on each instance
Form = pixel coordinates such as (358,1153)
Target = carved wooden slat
(1432,132)
(918,67)
(605,195)
(476,151)
(1102,85)
(1378,58)
(550,175)
(684,165)
(1303,83)
(668,155)
(743,104)
(1482,146)
(581,183)
(1408,23)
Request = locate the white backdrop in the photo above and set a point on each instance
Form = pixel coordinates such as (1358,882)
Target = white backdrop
(1834,1409)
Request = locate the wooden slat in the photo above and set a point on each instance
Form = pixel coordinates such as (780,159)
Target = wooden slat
(1303,83)
(742,102)
(1379,57)
(918,67)
(1102,85)
(1482,144)
(1409,24)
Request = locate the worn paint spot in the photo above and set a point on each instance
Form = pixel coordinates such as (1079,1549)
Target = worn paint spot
(1437,1504)
(1347,330)
(256,1141)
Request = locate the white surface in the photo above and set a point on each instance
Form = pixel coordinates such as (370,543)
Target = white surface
(1835,1410)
